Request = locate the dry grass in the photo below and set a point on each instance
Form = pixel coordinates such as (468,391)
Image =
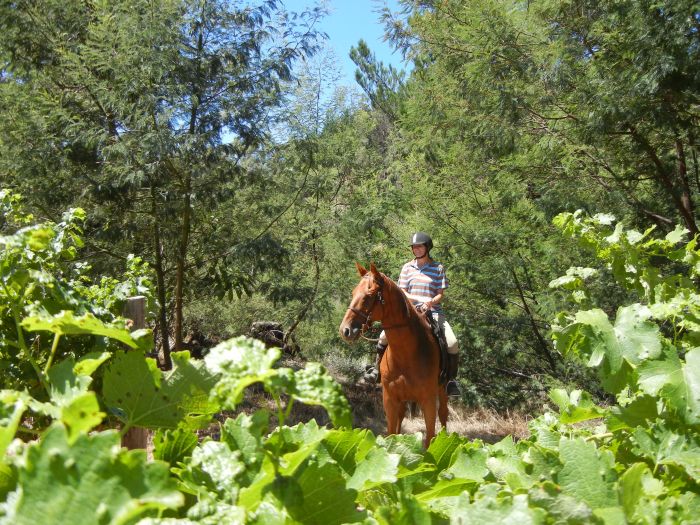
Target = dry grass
(484,424)
(366,403)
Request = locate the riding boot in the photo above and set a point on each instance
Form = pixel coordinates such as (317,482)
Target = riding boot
(452,365)
(374,373)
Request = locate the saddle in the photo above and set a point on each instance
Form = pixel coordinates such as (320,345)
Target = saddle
(442,343)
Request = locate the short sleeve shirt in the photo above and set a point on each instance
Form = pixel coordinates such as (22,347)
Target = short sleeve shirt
(423,283)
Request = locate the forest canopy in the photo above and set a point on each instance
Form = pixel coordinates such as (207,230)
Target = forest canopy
(198,136)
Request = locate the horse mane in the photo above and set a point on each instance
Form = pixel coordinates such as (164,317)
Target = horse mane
(416,320)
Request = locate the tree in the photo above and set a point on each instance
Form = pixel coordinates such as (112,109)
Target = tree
(150,110)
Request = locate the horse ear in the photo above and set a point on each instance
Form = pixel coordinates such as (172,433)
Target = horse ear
(360,269)
(373,269)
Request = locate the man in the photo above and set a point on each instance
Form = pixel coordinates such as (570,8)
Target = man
(424,281)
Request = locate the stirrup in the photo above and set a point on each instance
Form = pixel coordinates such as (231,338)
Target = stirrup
(452,389)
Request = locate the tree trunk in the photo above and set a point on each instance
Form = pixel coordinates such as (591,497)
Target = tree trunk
(543,346)
(181,263)
(686,200)
(164,350)
(135,309)
(187,207)
(680,196)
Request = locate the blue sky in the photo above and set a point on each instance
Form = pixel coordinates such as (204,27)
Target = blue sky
(347,23)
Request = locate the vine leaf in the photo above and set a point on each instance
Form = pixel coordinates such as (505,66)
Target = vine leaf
(173,446)
(66,323)
(587,474)
(675,381)
(139,394)
(241,362)
(575,407)
(92,478)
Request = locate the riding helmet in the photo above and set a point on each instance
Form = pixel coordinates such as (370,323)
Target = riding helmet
(422,238)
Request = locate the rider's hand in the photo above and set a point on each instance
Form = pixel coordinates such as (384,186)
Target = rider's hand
(427,306)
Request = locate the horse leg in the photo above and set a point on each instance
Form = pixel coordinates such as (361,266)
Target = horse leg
(429,412)
(442,409)
(394,414)
(401,412)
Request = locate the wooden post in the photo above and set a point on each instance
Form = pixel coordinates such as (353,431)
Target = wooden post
(135,309)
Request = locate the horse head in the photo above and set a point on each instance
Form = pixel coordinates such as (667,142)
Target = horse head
(365,305)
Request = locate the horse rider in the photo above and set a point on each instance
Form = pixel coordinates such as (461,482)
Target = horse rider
(424,281)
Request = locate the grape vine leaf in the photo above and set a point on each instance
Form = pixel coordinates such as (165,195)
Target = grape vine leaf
(173,446)
(325,499)
(587,473)
(507,510)
(77,406)
(441,449)
(245,434)
(314,386)
(92,477)
(137,392)
(675,381)
(469,463)
(241,362)
(66,323)
(348,447)
(576,406)
(379,466)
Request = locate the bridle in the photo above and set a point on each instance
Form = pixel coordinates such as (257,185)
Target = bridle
(366,316)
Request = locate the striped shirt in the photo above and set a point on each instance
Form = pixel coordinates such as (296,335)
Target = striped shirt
(423,283)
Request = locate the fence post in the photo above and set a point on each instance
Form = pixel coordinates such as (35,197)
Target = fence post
(135,309)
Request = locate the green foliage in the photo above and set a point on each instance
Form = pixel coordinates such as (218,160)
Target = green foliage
(639,464)
(44,290)
(243,362)
(91,480)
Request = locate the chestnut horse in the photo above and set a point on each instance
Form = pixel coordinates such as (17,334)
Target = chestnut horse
(411,364)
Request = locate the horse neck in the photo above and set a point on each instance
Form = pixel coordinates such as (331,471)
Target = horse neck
(401,312)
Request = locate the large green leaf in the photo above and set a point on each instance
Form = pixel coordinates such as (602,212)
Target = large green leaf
(593,338)
(69,382)
(665,446)
(442,448)
(561,508)
(141,395)
(242,362)
(513,510)
(639,338)
(289,448)
(239,363)
(469,463)
(587,473)
(92,480)
(314,386)
(575,407)
(377,467)
(676,382)
(245,434)
(65,323)
(173,446)
(349,447)
(316,494)
(641,411)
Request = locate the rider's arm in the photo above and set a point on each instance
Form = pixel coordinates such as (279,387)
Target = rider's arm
(435,300)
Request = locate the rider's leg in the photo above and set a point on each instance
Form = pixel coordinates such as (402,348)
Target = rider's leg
(382,343)
(452,359)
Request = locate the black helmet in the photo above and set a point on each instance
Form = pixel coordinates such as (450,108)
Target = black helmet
(422,238)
